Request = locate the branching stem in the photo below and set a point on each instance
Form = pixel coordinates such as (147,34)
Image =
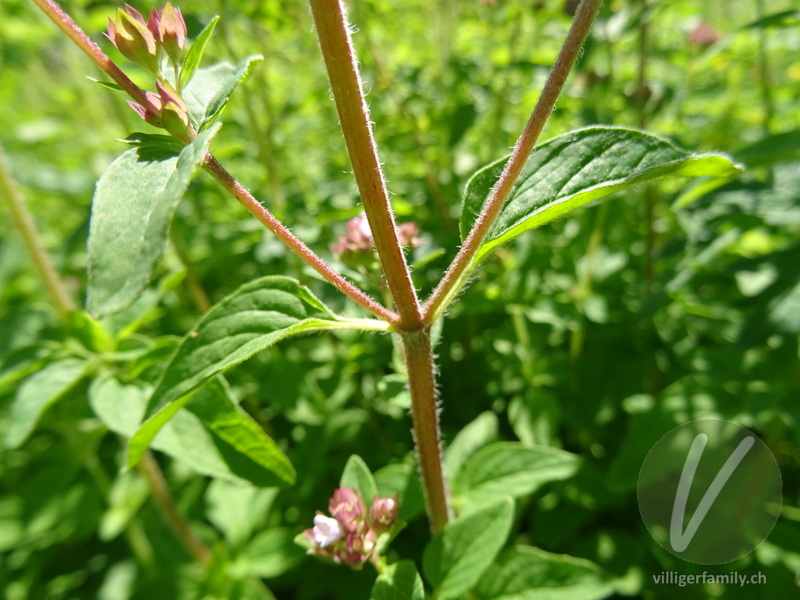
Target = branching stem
(340,61)
(454,276)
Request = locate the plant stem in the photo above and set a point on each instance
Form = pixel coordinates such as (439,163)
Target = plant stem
(452,279)
(161,494)
(68,26)
(62,20)
(340,61)
(295,245)
(26,226)
(422,382)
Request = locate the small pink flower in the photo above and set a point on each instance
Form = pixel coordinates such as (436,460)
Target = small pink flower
(326,531)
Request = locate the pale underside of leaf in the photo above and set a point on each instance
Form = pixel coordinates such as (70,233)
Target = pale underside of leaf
(132,209)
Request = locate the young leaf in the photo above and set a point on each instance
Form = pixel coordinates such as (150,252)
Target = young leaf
(131,214)
(575,169)
(455,559)
(399,581)
(38,393)
(512,469)
(195,54)
(253,318)
(210,88)
(525,572)
(191,440)
(356,475)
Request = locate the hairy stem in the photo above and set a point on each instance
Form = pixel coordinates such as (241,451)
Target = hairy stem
(68,26)
(295,245)
(26,226)
(544,107)
(158,487)
(340,61)
(422,382)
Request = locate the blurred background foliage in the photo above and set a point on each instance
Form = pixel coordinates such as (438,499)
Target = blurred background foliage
(597,334)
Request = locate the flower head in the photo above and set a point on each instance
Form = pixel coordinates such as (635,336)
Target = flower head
(350,536)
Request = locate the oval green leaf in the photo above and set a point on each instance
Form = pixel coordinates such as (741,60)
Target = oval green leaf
(253,318)
(132,209)
(527,573)
(575,169)
(216,438)
(455,559)
(512,469)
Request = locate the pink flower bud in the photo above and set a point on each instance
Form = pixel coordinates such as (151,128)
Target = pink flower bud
(169,29)
(133,39)
(348,508)
(383,512)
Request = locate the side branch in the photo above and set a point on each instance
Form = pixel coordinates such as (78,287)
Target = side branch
(295,245)
(436,304)
(92,50)
(340,61)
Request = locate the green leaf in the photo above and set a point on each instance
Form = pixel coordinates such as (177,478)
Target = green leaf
(208,91)
(271,554)
(357,476)
(229,423)
(786,18)
(526,573)
(575,169)
(186,438)
(512,469)
(237,510)
(38,393)
(195,54)
(455,559)
(131,214)
(472,437)
(253,318)
(399,581)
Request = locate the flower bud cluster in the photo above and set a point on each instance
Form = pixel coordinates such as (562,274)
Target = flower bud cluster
(146,43)
(358,239)
(350,535)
